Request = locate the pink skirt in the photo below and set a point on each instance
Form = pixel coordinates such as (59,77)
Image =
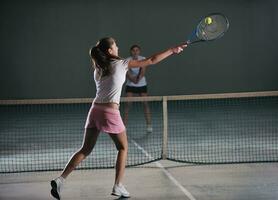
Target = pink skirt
(105,119)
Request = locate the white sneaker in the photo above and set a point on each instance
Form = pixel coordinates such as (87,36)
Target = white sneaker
(119,190)
(149,129)
(56,186)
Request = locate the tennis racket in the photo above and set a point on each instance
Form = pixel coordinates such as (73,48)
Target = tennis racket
(209,28)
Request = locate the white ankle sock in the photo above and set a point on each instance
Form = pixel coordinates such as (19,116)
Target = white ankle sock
(61,179)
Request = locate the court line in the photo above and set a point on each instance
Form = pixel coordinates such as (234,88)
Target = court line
(159,165)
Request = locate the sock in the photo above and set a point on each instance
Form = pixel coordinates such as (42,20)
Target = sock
(61,179)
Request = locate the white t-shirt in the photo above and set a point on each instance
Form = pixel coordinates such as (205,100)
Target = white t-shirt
(109,88)
(135,72)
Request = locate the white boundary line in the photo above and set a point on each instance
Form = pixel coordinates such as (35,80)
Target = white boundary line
(159,165)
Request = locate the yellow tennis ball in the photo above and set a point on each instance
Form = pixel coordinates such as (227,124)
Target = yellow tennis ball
(208,20)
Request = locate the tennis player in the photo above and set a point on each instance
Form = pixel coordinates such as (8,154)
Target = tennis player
(104,116)
(136,85)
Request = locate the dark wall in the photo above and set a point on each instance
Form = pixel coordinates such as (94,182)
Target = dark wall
(44,45)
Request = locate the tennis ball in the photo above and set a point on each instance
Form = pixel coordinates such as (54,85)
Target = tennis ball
(208,20)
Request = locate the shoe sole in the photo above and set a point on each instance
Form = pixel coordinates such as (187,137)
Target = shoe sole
(119,195)
(54,191)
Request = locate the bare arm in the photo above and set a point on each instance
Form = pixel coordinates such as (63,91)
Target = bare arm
(156,58)
(141,73)
(130,77)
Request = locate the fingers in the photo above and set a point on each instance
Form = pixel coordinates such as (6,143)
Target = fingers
(181,47)
(184,45)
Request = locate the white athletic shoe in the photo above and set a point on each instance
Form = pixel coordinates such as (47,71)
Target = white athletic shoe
(149,129)
(56,186)
(119,190)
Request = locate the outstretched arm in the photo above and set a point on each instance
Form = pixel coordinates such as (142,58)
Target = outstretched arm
(156,58)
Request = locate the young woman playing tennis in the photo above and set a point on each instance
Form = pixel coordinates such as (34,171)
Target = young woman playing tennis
(104,116)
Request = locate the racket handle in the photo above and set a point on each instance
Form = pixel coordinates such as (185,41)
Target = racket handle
(189,42)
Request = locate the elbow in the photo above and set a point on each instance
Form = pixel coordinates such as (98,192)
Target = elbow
(149,61)
(152,61)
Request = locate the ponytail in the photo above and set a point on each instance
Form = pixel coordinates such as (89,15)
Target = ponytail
(100,57)
(101,61)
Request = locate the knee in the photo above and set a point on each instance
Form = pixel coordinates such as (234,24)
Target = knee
(146,105)
(122,147)
(85,151)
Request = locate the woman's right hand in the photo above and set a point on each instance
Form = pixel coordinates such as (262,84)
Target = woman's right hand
(134,79)
(179,48)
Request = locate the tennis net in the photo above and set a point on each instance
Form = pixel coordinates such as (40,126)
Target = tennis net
(39,135)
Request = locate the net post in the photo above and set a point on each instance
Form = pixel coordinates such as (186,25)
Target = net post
(165,128)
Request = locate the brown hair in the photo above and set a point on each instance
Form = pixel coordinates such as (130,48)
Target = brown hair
(135,46)
(100,56)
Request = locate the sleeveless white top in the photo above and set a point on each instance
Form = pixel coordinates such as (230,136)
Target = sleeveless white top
(135,72)
(109,87)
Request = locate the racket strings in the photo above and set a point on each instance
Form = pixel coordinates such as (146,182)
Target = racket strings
(219,24)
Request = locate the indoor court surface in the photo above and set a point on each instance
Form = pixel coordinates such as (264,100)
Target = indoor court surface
(203,182)
(195,82)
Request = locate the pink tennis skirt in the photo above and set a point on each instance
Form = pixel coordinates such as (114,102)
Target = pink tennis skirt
(105,119)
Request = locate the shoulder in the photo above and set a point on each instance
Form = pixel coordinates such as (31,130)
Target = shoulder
(123,63)
(141,57)
(128,58)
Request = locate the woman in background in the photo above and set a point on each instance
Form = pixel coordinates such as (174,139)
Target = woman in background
(136,85)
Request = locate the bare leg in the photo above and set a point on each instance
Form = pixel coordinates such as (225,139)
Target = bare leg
(147,110)
(89,141)
(121,143)
(127,106)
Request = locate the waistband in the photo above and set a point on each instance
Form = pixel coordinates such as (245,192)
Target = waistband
(104,108)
